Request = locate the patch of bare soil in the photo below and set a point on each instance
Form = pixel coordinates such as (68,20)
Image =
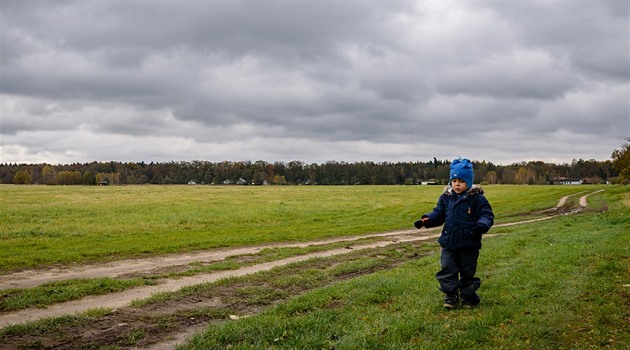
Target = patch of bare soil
(160,325)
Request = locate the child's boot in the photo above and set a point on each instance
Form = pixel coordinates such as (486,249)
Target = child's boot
(450,301)
(470,298)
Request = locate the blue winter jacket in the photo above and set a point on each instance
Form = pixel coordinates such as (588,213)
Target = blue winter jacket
(465,217)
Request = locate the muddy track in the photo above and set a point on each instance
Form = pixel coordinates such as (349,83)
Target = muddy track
(116,300)
(32,278)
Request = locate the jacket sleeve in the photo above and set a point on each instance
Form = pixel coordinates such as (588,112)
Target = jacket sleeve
(485,214)
(438,215)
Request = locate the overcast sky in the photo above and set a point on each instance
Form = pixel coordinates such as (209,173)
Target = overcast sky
(314,81)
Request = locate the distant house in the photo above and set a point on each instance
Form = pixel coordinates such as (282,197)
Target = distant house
(592,180)
(191,182)
(240,181)
(567,181)
(103,183)
(428,183)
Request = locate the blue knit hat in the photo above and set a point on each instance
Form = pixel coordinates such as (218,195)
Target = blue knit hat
(462,169)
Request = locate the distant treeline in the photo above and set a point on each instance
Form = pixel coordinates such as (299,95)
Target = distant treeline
(299,173)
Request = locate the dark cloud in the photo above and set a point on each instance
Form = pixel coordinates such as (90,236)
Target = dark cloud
(590,35)
(319,81)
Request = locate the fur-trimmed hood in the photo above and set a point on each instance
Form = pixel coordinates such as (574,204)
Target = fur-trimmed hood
(448,190)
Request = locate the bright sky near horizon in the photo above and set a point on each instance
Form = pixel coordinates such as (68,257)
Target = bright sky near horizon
(501,81)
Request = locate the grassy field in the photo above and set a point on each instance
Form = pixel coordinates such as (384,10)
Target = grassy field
(560,284)
(557,284)
(46,225)
(536,295)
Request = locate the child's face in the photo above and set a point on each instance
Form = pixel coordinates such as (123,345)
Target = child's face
(459,185)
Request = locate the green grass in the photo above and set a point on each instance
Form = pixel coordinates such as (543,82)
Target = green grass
(559,284)
(45,225)
(556,284)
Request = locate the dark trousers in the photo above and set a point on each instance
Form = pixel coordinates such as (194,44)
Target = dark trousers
(457,275)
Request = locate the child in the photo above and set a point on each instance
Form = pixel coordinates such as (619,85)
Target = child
(466,214)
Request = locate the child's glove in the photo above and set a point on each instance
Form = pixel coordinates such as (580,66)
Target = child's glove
(418,224)
(480,229)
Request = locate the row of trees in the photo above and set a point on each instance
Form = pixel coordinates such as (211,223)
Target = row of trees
(296,172)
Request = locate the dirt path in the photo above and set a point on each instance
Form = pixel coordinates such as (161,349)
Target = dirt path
(32,278)
(116,300)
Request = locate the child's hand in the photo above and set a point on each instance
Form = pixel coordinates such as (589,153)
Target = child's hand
(480,229)
(418,224)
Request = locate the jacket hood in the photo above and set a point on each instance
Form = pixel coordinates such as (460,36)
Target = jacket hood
(448,190)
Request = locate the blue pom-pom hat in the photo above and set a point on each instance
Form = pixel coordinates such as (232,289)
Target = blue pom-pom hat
(462,169)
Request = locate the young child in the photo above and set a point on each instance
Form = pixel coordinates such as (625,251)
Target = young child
(466,215)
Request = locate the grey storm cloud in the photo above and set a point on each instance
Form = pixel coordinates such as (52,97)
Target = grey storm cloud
(267,79)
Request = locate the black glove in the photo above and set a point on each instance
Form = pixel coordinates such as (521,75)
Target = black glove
(418,224)
(480,229)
